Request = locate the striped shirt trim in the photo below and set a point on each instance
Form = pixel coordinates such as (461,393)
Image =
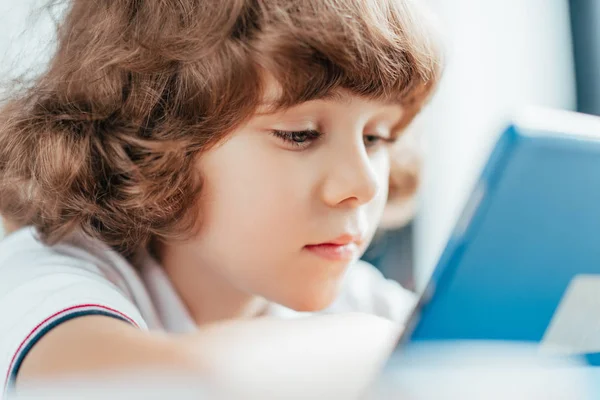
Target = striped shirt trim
(54,320)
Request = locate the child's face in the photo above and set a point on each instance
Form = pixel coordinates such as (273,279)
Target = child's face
(268,202)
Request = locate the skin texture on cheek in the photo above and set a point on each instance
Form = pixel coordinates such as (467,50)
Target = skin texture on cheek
(255,216)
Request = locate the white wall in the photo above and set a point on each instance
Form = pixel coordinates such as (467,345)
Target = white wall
(26,35)
(25,39)
(502,54)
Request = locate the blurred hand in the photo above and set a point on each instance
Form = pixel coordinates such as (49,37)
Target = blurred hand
(334,356)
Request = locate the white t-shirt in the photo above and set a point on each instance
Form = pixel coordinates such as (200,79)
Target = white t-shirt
(42,286)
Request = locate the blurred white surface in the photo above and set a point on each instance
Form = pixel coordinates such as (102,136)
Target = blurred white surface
(501,56)
(26,38)
(485,370)
(464,371)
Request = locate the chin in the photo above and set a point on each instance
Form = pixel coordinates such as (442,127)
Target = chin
(312,301)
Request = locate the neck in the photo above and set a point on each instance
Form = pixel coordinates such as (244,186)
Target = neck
(208,296)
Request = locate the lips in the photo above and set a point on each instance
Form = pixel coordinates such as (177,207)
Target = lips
(343,248)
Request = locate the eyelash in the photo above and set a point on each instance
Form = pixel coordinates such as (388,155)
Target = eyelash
(311,136)
(288,137)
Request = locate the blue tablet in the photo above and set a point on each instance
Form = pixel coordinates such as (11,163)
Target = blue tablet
(523,262)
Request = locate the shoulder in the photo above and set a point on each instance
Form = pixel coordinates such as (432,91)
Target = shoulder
(77,270)
(43,286)
(24,258)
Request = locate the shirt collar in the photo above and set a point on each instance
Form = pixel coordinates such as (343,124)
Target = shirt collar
(171,309)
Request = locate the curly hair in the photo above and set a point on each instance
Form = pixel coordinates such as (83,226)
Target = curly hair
(106,138)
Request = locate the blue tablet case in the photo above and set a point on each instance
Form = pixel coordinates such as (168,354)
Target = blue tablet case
(530,229)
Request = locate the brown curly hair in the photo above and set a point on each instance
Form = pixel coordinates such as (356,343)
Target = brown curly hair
(106,138)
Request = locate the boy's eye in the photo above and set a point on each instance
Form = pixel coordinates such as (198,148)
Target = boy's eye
(372,141)
(298,139)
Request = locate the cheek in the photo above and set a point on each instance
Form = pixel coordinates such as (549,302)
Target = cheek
(249,203)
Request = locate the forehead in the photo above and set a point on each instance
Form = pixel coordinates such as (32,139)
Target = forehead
(271,101)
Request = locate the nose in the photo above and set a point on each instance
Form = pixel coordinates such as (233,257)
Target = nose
(350,179)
